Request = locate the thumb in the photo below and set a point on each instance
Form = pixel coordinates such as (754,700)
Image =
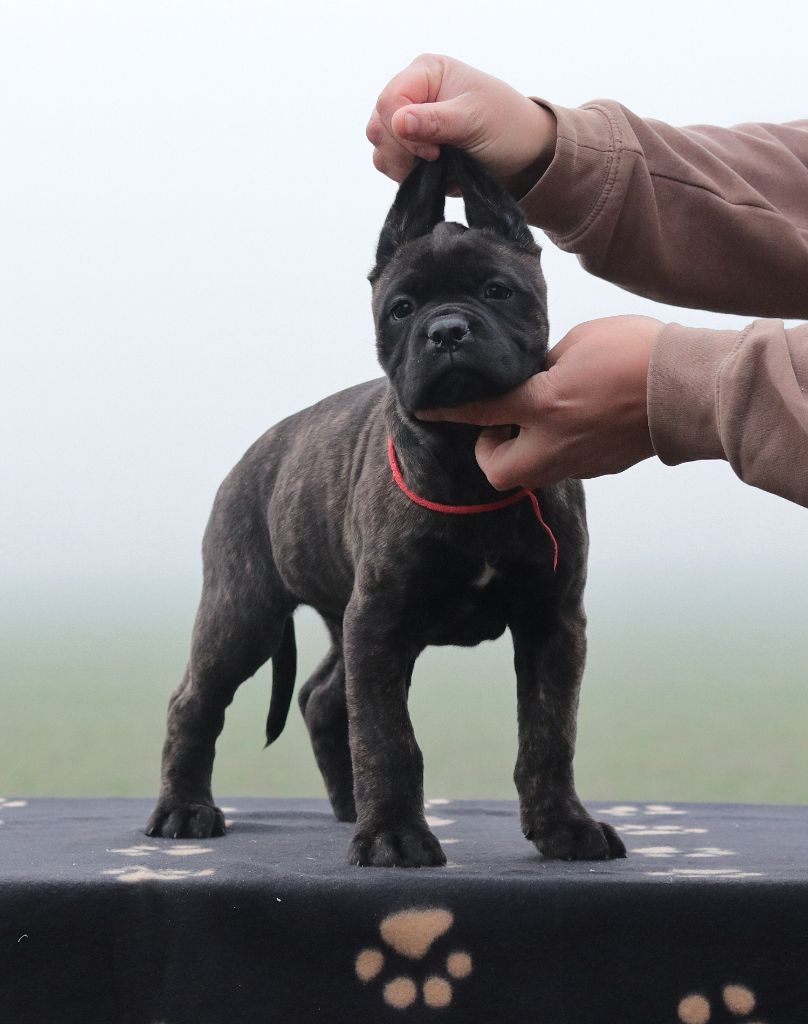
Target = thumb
(521,406)
(449,122)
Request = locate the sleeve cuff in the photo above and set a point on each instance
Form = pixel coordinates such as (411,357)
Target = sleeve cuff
(682,392)
(573,189)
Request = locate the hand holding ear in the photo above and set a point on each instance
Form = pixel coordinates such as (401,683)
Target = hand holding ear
(439,100)
(585,416)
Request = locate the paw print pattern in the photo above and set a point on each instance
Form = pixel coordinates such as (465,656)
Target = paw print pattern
(146,849)
(146,873)
(700,853)
(436,820)
(411,934)
(8,804)
(647,828)
(664,829)
(738,999)
(647,810)
(708,873)
(141,873)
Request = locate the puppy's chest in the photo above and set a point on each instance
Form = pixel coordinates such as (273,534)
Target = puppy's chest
(487,575)
(472,600)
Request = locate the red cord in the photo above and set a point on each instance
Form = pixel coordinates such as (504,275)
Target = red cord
(470,510)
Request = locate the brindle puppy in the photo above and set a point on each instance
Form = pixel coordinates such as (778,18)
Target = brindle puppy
(311,515)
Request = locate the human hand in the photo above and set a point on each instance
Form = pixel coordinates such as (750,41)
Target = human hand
(440,100)
(585,416)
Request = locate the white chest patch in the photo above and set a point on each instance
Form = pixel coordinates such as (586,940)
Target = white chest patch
(485,577)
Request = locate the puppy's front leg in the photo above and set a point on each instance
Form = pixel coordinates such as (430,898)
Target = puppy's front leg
(549,664)
(387,763)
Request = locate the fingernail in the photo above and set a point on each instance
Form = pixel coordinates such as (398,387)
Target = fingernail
(410,124)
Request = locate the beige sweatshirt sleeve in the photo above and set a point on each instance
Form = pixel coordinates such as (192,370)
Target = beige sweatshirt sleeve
(742,397)
(710,218)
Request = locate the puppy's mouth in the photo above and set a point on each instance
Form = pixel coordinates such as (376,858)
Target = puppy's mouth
(456,385)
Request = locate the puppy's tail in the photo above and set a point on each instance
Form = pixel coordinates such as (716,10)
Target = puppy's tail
(284,667)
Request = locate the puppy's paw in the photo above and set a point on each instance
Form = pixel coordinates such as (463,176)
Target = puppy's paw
(408,846)
(185,821)
(578,839)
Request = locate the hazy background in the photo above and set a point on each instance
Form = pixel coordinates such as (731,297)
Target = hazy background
(187,213)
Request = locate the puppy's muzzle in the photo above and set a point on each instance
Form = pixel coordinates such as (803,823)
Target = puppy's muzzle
(449,333)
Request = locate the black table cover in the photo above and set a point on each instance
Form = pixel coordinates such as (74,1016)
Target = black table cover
(706,921)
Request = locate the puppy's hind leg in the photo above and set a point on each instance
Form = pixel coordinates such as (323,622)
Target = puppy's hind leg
(240,624)
(322,701)
(220,661)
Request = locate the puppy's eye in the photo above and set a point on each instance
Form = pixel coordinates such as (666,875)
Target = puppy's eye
(497,291)
(401,310)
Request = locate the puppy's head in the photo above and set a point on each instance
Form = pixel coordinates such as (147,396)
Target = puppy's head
(460,312)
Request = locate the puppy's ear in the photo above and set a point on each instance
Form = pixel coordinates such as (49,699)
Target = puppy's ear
(417,208)
(487,204)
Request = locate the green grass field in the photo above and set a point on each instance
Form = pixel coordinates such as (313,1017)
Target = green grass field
(676,705)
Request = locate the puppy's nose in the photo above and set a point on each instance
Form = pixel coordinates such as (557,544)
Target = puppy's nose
(447,333)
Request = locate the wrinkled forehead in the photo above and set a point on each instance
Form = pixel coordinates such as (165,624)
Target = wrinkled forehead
(454,256)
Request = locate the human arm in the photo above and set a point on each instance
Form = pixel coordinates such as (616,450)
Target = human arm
(621,389)
(704,217)
(740,396)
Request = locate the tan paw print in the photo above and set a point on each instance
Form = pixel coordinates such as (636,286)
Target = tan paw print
(738,999)
(412,934)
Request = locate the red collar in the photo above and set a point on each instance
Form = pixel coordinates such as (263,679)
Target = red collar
(470,510)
